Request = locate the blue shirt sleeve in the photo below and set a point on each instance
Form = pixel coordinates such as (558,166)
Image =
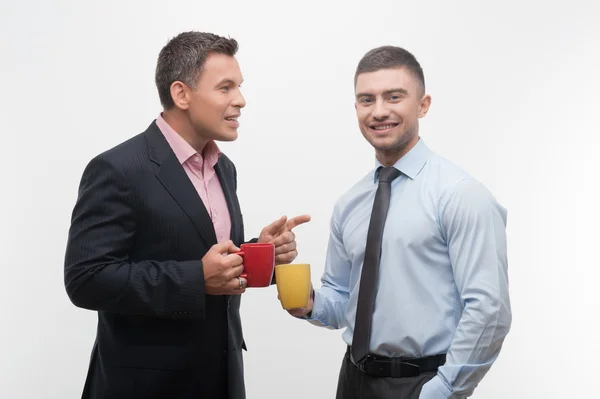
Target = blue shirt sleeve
(473,224)
(331,299)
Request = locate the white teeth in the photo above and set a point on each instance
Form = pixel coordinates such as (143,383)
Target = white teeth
(385,127)
(231,119)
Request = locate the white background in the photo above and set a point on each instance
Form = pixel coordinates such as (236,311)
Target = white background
(515,102)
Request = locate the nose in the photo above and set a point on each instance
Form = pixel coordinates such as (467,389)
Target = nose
(380,111)
(239,100)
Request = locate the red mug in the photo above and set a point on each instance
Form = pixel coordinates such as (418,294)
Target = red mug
(259,263)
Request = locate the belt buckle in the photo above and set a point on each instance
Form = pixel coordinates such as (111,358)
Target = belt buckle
(362,366)
(359,365)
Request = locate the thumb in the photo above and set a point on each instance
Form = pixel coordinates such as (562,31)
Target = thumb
(225,247)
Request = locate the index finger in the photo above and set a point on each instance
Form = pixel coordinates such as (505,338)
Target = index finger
(297,221)
(233,260)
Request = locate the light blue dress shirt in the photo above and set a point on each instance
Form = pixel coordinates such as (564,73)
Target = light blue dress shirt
(443,283)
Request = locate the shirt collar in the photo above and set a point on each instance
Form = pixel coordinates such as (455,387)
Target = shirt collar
(411,163)
(182,149)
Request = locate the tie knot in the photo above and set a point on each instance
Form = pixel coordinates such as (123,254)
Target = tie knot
(388,174)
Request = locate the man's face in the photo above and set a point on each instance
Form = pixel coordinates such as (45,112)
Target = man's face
(216,103)
(389,103)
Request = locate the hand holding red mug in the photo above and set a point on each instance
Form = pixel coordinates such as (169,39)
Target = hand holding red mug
(222,270)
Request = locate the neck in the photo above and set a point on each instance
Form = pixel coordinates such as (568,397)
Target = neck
(390,157)
(180,122)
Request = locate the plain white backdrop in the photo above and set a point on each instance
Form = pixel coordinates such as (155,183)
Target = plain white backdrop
(515,102)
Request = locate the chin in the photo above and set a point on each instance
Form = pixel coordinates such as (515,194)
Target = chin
(382,142)
(226,136)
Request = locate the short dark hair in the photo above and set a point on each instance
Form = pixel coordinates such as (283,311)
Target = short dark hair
(385,57)
(183,57)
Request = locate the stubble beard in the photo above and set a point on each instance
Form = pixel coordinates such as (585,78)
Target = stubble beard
(399,146)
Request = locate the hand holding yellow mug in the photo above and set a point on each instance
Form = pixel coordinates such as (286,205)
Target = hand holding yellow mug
(293,285)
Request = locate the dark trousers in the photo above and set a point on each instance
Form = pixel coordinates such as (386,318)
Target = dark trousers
(354,384)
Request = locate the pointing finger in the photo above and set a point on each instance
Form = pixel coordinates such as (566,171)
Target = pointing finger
(297,221)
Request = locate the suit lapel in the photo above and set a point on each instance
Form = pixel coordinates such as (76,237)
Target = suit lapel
(171,174)
(226,180)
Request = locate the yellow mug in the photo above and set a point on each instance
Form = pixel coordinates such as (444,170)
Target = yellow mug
(293,284)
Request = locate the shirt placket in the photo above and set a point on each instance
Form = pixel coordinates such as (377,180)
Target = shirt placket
(198,166)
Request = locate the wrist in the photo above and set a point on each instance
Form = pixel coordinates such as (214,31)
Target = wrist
(311,302)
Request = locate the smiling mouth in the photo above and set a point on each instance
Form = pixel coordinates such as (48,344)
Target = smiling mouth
(383,127)
(233,119)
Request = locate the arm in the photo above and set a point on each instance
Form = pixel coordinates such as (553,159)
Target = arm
(98,272)
(331,300)
(474,226)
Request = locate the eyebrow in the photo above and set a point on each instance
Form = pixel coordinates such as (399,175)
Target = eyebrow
(227,80)
(390,91)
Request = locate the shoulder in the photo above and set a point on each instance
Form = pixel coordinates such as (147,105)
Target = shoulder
(460,193)
(445,178)
(124,155)
(125,159)
(443,174)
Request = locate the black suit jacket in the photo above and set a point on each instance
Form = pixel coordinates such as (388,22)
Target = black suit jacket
(139,231)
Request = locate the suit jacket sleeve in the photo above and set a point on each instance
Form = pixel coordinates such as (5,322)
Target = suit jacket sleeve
(99,274)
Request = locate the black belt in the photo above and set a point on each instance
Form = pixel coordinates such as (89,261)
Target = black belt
(397,367)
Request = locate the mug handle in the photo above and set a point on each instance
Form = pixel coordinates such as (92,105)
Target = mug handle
(241,253)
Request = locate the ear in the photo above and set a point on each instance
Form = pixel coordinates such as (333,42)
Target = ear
(180,94)
(424,105)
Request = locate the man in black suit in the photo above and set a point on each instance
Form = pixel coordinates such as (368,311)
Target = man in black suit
(152,234)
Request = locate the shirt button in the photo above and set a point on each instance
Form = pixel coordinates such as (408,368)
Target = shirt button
(196,159)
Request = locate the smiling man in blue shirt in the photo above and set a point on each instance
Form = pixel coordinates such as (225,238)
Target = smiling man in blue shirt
(421,284)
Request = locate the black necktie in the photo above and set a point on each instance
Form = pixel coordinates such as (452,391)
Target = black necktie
(368,278)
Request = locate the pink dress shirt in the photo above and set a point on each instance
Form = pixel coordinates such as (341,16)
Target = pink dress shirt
(200,170)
